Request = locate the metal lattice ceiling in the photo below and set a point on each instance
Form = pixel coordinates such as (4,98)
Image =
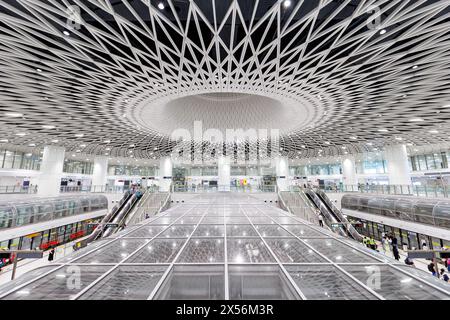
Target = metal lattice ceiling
(359,66)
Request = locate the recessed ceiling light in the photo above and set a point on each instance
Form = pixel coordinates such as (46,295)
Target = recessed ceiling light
(13,114)
(383,130)
(38,70)
(21,134)
(433,131)
(66,33)
(383,31)
(287,3)
(32,145)
(161,6)
(55,141)
(48,127)
(398,138)
(107,141)
(416,120)
(4,140)
(79,135)
(82,146)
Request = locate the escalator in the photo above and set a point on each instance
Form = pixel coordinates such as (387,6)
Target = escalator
(325,204)
(328,216)
(114,220)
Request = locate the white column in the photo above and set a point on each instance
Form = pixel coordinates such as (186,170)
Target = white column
(224,170)
(397,165)
(165,174)
(349,172)
(49,182)
(282,171)
(100,173)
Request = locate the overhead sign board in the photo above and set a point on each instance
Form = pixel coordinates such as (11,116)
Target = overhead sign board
(420,254)
(444,254)
(30,254)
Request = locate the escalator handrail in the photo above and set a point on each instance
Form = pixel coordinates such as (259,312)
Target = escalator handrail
(351,230)
(122,214)
(325,212)
(107,219)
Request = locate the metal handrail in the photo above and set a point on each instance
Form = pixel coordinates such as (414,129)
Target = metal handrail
(414,190)
(18,189)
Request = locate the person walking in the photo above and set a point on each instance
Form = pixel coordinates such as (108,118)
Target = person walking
(366,241)
(320,220)
(424,245)
(389,242)
(372,244)
(51,255)
(384,243)
(396,253)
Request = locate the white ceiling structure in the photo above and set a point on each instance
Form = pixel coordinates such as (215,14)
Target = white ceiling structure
(116,77)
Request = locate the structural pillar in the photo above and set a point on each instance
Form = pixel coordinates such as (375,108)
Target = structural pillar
(165,174)
(100,173)
(397,165)
(349,172)
(224,171)
(282,171)
(49,182)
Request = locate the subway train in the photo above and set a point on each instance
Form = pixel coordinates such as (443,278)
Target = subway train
(421,210)
(16,214)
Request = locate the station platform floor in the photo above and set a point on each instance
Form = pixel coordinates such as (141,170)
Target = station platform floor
(26,265)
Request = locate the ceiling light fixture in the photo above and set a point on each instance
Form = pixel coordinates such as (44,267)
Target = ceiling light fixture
(287,3)
(161,6)
(48,127)
(13,114)
(416,120)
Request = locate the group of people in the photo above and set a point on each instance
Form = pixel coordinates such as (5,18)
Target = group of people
(388,242)
(442,274)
